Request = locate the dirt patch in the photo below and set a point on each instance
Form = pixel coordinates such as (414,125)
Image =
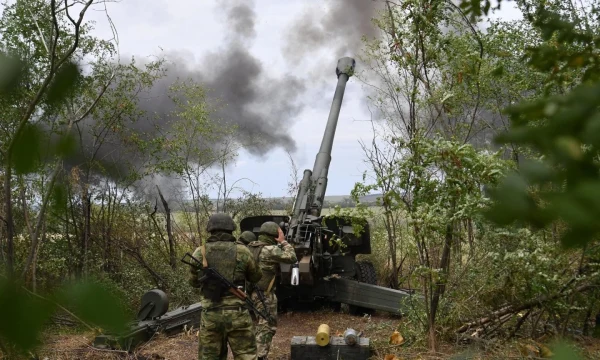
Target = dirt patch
(185,346)
(378,328)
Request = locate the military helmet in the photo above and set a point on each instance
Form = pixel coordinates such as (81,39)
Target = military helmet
(247,237)
(270,228)
(220,221)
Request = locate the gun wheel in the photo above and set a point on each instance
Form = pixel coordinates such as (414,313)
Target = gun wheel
(365,273)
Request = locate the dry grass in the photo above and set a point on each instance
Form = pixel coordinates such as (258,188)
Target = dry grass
(377,327)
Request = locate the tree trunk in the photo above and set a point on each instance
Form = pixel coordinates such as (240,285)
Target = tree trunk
(73,245)
(85,232)
(586,321)
(88,231)
(10,231)
(471,237)
(392,248)
(111,208)
(40,220)
(35,259)
(432,335)
(172,257)
(103,216)
(445,266)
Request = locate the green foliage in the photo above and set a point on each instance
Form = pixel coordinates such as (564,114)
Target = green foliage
(563,351)
(247,204)
(23,316)
(26,149)
(432,88)
(66,145)
(477,8)
(59,198)
(431,184)
(63,83)
(561,127)
(11,69)
(92,302)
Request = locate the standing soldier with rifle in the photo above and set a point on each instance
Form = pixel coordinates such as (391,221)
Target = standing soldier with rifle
(225,317)
(269,250)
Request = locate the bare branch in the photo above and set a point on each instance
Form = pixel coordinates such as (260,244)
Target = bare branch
(93,105)
(481,50)
(37,25)
(114,31)
(53,68)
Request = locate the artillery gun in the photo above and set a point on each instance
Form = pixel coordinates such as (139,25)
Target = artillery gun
(327,246)
(152,318)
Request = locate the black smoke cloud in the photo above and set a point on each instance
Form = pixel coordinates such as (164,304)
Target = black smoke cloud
(261,107)
(336,29)
(241,18)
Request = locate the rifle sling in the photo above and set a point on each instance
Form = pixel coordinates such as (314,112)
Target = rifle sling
(270,285)
(203,251)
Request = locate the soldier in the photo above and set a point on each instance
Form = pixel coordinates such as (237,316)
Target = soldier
(268,253)
(246,238)
(224,318)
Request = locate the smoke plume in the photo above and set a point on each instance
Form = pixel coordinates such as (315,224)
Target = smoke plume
(260,106)
(337,29)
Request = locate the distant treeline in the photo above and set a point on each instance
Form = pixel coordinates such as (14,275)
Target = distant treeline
(343,201)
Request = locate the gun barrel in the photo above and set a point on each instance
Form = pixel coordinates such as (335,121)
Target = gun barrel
(344,69)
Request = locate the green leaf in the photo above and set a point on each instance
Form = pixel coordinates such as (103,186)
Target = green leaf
(536,171)
(498,71)
(487,6)
(573,211)
(576,238)
(517,134)
(66,145)
(22,316)
(58,200)
(588,193)
(511,201)
(568,147)
(11,70)
(26,149)
(563,351)
(591,132)
(64,81)
(96,305)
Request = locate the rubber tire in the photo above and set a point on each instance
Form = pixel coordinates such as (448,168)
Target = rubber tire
(365,273)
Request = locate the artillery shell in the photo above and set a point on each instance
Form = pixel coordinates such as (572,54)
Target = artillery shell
(323,335)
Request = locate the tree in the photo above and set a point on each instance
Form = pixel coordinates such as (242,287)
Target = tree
(192,146)
(436,79)
(438,184)
(42,41)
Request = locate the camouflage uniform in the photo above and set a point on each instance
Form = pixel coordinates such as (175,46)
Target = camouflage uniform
(224,318)
(269,254)
(246,238)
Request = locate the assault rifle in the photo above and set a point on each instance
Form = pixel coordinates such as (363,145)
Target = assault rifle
(261,297)
(212,273)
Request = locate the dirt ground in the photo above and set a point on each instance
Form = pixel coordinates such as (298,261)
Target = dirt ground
(378,328)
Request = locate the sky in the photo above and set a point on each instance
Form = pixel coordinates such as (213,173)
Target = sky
(294,44)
